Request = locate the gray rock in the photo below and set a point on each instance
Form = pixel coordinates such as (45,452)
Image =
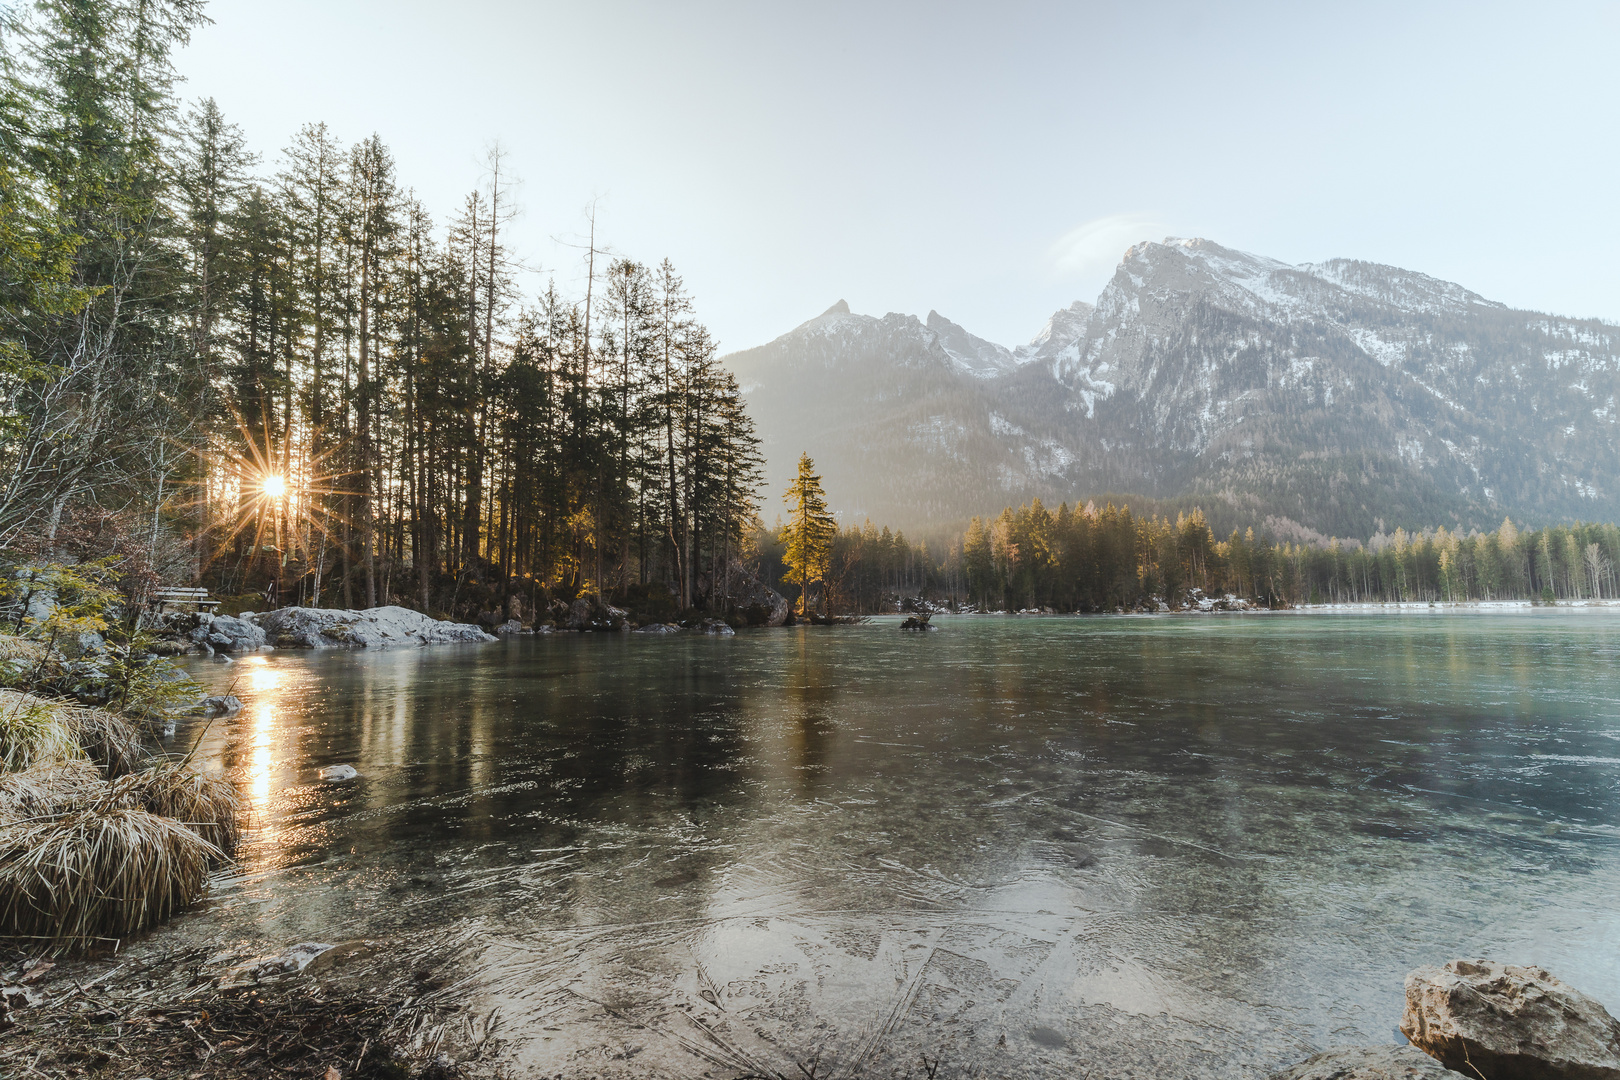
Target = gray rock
(231,634)
(754,599)
(716,627)
(1505,1022)
(659,628)
(1368,1063)
(373,628)
(339,772)
(306,954)
(221,705)
(511,626)
(88,643)
(589,613)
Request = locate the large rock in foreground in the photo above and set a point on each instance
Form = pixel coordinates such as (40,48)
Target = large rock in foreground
(1369,1063)
(335,628)
(1504,1022)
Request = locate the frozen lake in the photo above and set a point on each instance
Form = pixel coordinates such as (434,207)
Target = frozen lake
(1156,846)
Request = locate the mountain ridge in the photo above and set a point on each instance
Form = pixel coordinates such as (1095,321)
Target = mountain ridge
(1329,395)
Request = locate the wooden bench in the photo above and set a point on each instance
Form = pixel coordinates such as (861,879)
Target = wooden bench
(178,595)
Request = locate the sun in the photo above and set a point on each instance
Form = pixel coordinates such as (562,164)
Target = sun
(273,486)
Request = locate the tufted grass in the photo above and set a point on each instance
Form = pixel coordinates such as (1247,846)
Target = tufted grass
(97,872)
(205,803)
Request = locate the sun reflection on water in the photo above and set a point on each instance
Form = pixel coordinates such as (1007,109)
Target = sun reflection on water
(263,680)
(260,759)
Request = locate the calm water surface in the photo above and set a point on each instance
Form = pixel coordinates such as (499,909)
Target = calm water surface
(1148,847)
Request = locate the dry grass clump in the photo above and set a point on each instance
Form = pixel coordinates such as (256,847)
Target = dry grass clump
(33,730)
(50,789)
(90,847)
(98,872)
(24,650)
(205,803)
(111,741)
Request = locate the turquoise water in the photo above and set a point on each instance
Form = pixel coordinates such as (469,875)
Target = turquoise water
(1155,846)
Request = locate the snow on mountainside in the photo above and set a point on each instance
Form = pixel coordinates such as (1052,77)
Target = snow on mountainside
(1333,394)
(1057,341)
(974,355)
(1341,390)
(907,422)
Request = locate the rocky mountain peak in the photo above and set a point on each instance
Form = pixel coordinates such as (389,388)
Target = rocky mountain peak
(974,355)
(1323,394)
(1059,339)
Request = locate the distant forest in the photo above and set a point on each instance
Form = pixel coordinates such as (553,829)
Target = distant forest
(1109,560)
(285,377)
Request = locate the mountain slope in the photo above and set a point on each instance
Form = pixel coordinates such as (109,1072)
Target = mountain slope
(1344,391)
(1333,396)
(901,427)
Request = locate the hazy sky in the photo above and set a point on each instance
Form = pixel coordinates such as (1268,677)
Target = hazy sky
(991,161)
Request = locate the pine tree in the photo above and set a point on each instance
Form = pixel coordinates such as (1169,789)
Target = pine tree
(809,532)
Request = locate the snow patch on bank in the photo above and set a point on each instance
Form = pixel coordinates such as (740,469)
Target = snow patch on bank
(373,628)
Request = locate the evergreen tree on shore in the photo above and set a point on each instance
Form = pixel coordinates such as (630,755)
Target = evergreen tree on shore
(808,535)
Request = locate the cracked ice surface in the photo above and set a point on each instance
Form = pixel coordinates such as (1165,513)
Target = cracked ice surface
(1147,846)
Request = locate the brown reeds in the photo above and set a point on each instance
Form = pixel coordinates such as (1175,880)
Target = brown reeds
(50,789)
(33,731)
(110,741)
(91,845)
(97,873)
(205,803)
(24,650)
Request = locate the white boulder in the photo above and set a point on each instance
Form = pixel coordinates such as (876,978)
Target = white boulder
(373,628)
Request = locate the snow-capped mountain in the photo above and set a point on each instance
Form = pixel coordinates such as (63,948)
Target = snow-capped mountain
(1331,395)
(974,355)
(908,422)
(1058,339)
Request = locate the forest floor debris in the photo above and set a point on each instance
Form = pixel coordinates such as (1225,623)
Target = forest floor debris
(380,1013)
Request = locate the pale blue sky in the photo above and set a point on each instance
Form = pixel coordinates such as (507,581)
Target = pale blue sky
(991,161)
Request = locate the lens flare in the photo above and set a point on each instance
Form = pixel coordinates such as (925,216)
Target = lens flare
(273,486)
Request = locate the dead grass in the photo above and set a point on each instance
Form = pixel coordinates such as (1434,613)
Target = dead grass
(33,731)
(92,847)
(25,650)
(208,804)
(97,873)
(164,1016)
(111,741)
(50,789)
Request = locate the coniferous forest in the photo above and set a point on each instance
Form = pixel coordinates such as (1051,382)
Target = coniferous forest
(1108,559)
(285,376)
